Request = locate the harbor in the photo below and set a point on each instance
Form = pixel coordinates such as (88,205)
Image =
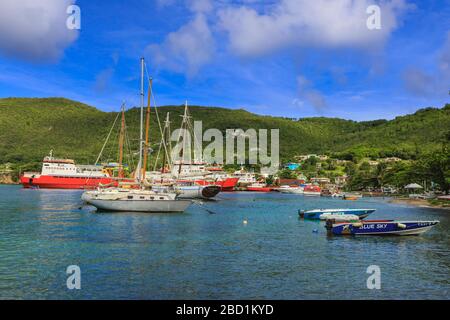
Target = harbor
(225,158)
(209,252)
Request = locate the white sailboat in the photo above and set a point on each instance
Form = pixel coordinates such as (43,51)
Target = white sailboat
(129,199)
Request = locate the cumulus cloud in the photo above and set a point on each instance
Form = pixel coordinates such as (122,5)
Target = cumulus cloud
(186,49)
(35,30)
(309,94)
(321,23)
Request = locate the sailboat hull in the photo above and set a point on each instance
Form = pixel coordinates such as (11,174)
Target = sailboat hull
(134,201)
(141,206)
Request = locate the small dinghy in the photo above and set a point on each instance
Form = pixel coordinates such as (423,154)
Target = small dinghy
(317,214)
(340,217)
(379,227)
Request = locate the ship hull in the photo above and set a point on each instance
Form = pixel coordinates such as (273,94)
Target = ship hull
(394,228)
(57,182)
(225,185)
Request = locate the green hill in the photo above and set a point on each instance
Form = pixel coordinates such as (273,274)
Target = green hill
(30,127)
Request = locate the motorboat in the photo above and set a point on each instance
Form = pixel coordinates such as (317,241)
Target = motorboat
(380,227)
(321,214)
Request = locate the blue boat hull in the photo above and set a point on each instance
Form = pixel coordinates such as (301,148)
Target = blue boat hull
(363,213)
(383,227)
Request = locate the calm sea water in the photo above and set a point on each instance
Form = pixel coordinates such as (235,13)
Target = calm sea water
(212,254)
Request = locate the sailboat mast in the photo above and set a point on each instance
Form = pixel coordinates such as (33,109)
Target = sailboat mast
(147,125)
(166,141)
(184,137)
(141,136)
(121,142)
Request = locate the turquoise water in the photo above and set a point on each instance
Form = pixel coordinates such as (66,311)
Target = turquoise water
(200,255)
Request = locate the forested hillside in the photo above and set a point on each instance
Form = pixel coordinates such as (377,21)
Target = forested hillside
(30,127)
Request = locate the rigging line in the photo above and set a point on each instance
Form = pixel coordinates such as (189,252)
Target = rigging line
(162,131)
(152,95)
(157,157)
(162,142)
(107,138)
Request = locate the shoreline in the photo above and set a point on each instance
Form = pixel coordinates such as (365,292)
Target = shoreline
(418,203)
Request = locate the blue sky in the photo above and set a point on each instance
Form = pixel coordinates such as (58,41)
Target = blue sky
(292,58)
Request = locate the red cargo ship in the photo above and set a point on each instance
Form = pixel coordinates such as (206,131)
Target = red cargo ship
(64,174)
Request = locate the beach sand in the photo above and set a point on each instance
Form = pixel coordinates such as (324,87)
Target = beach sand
(418,203)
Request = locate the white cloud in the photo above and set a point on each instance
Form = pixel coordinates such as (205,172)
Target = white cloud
(321,23)
(186,49)
(35,30)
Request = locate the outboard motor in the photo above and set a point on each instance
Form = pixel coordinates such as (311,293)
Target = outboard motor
(301,213)
(329,225)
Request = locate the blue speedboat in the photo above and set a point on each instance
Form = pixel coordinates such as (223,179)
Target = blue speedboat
(321,214)
(380,227)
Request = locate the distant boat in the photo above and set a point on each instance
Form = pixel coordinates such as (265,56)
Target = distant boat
(352,196)
(245,178)
(380,227)
(321,214)
(312,191)
(290,189)
(259,187)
